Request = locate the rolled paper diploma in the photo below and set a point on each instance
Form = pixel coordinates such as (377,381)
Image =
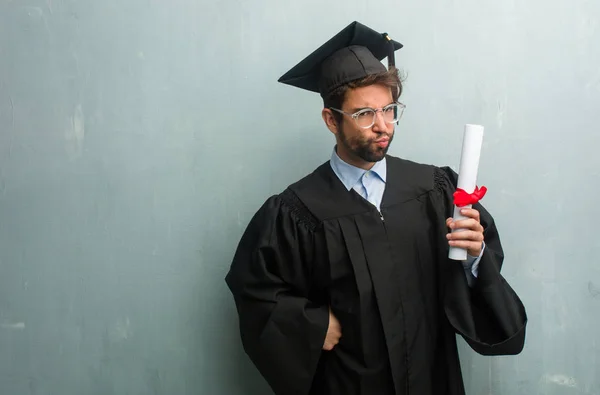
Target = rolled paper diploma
(467,176)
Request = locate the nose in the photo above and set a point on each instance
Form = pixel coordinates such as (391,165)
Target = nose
(379,125)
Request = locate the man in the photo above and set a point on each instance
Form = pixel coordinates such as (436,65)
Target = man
(342,282)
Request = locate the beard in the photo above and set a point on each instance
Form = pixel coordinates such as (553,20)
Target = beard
(365,148)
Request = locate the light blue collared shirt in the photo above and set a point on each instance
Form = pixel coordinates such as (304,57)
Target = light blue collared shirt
(370,184)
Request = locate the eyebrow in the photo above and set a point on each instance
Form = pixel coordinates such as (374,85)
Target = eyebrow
(353,110)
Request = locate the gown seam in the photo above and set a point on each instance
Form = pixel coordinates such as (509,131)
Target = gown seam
(299,209)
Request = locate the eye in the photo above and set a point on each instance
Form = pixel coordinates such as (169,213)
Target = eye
(364,114)
(390,109)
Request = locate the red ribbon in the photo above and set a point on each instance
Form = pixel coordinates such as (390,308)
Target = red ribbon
(462,198)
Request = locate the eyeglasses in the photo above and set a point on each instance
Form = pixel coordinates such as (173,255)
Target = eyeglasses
(365,118)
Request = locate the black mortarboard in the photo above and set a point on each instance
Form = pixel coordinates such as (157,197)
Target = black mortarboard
(353,53)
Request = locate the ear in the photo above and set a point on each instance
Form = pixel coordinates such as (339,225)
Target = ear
(329,120)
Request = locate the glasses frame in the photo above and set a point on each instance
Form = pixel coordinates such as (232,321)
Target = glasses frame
(400,108)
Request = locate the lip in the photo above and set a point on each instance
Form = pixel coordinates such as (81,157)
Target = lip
(382,143)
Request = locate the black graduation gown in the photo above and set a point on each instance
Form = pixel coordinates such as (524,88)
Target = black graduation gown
(387,277)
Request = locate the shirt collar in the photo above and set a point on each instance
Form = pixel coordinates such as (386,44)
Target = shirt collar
(349,175)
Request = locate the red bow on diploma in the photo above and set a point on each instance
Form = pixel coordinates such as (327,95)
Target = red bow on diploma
(462,198)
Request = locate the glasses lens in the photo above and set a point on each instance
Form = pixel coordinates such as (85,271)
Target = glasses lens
(392,113)
(365,118)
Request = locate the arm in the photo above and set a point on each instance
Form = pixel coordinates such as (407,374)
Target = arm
(471,266)
(490,316)
(282,331)
(470,238)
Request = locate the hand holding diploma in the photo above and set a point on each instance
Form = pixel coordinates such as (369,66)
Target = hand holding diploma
(469,237)
(466,234)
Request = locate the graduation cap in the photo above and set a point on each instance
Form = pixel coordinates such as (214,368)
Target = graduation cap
(353,53)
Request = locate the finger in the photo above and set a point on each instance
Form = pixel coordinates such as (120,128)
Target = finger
(466,224)
(466,235)
(466,244)
(463,224)
(471,213)
(331,343)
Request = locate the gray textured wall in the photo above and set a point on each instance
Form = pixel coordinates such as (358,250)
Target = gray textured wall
(137,137)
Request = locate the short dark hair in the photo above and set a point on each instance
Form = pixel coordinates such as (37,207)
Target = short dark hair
(390,79)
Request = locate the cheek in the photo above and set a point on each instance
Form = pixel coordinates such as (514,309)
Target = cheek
(356,136)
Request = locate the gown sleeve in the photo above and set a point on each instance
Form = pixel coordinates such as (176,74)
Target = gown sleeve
(490,315)
(281,330)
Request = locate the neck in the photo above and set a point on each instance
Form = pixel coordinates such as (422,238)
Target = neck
(352,159)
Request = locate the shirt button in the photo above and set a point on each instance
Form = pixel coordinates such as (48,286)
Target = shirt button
(366,174)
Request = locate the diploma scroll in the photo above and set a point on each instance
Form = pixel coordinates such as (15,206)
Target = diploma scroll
(467,176)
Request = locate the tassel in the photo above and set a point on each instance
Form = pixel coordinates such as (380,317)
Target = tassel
(391,51)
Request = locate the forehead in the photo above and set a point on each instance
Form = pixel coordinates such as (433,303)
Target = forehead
(374,96)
